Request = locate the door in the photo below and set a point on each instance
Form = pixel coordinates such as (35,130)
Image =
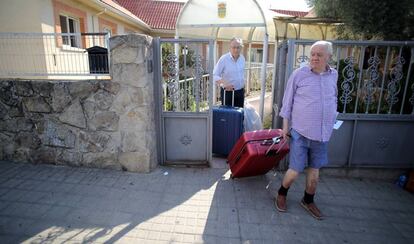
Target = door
(183,68)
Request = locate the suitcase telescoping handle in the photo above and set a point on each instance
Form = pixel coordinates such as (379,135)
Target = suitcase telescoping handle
(276,140)
(224,97)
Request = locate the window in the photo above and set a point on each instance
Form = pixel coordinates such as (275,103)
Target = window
(70,26)
(256,55)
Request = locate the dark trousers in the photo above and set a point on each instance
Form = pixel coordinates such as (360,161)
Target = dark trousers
(238,97)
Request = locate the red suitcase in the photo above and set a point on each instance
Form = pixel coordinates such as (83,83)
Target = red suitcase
(257,152)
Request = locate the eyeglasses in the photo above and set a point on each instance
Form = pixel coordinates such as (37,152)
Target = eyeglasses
(238,47)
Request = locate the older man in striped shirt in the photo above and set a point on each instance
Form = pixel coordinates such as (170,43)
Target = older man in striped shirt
(309,112)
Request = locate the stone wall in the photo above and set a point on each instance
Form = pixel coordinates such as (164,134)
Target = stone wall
(104,124)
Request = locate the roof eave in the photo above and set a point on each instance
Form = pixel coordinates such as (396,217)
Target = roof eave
(164,31)
(135,20)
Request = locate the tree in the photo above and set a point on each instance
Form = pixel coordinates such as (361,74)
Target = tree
(369,19)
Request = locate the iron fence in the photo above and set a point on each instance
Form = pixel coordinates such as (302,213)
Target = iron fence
(53,54)
(373,77)
(375,100)
(252,75)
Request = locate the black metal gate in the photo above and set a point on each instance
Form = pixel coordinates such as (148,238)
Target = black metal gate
(375,100)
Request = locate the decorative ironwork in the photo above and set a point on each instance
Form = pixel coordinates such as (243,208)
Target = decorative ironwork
(412,97)
(394,85)
(172,83)
(172,69)
(347,85)
(370,85)
(186,140)
(303,59)
(383,142)
(198,74)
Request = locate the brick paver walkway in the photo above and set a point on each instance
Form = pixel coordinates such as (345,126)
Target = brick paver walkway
(56,204)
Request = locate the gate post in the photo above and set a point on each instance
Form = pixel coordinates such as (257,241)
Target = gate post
(279,84)
(131,67)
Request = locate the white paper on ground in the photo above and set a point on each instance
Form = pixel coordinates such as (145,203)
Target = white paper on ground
(338,124)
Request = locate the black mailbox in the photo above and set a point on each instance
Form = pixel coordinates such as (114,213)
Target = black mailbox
(98,60)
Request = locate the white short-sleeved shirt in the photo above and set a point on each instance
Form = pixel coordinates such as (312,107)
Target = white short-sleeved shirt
(230,70)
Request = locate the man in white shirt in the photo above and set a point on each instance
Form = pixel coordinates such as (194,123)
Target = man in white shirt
(229,74)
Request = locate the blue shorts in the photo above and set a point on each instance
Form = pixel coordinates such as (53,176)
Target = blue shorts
(305,152)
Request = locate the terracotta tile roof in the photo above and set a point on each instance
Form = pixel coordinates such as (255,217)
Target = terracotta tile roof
(290,12)
(125,11)
(157,14)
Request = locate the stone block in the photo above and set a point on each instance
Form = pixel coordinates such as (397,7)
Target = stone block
(128,97)
(127,55)
(24,88)
(135,161)
(7,146)
(103,160)
(28,140)
(90,108)
(42,88)
(93,141)
(60,97)
(16,111)
(131,40)
(4,111)
(103,99)
(10,111)
(37,105)
(70,158)
(110,86)
(16,125)
(8,151)
(132,141)
(106,121)
(45,155)
(136,119)
(114,142)
(131,74)
(82,89)
(56,135)
(73,115)
(22,155)
(8,93)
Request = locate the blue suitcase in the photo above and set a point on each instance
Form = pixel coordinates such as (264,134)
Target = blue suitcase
(227,128)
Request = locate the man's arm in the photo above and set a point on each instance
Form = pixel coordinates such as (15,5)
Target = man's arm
(285,130)
(287,104)
(218,71)
(217,76)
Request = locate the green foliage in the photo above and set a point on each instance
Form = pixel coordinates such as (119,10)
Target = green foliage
(370,19)
(167,49)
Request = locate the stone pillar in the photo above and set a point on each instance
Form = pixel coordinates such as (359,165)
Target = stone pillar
(130,55)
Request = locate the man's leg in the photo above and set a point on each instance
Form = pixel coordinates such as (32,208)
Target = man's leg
(312,177)
(297,160)
(288,179)
(239,98)
(318,159)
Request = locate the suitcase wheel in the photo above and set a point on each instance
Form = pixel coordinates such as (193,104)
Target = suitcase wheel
(231,176)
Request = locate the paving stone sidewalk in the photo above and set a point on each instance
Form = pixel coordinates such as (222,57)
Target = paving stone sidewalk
(57,204)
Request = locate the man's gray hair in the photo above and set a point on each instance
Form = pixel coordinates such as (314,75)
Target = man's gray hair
(326,44)
(238,40)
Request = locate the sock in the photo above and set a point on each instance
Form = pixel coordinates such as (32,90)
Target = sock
(283,191)
(308,198)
